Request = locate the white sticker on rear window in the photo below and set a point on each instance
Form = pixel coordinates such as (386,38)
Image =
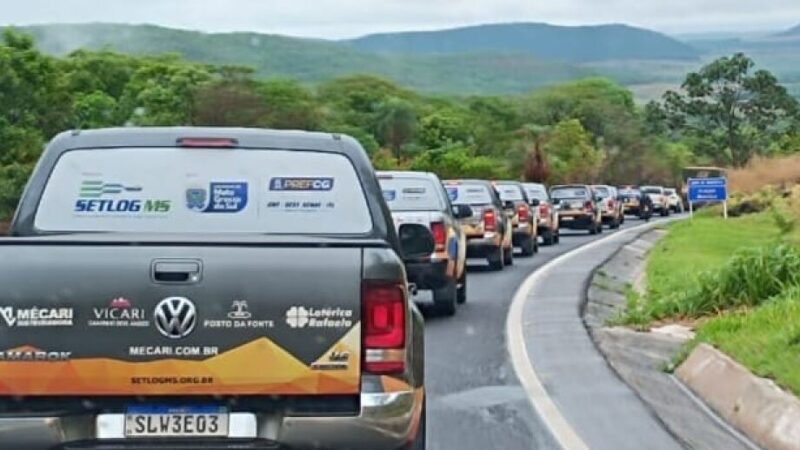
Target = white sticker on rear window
(204,190)
(411,194)
(469,194)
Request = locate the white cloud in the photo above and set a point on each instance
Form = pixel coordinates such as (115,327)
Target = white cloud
(344,18)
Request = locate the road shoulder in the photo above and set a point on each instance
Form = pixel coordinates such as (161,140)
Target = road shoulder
(640,358)
(570,384)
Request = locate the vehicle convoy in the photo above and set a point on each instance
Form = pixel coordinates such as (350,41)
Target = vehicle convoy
(420,198)
(674,200)
(578,207)
(610,205)
(659,198)
(548,213)
(488,230)
(208,288)
(523,214)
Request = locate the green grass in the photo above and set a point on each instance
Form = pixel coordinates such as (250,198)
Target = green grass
(700,244)
(766,340)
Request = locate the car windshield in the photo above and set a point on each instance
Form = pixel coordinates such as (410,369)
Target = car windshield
(203,191)
(569,193)
(669,191)
(537,192)
(510,192)
(469,194)
(411,194)
(602,191)
(630,193)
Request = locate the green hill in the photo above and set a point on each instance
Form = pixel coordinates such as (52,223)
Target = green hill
(573,44)
(314,60)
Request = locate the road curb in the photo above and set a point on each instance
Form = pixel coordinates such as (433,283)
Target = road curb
(544,405)
(757,406)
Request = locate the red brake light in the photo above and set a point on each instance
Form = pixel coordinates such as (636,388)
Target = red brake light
(544,211)
(611,203)
(439,236)
(489,220)
(524,213)
(207,142)
(384,321)
(588,206)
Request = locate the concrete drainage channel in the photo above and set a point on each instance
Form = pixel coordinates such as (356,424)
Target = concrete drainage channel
(768,415)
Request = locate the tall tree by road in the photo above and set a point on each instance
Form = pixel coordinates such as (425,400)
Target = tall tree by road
(731,112)
(396,124)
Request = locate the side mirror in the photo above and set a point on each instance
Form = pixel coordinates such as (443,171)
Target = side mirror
(598,199)
(416,241)
(535,202)
(462,211)
(508,205)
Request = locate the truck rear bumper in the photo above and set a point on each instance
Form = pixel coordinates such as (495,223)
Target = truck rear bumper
(387,421)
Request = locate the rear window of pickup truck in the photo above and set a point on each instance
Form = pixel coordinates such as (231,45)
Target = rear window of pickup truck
(469,194)
(412,194)
(169,190)
(510,192)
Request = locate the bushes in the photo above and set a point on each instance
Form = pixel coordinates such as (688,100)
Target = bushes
(748,279)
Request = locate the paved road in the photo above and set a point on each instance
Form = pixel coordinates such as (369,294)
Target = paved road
(475,400)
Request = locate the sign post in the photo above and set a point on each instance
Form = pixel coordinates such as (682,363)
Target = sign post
(708,190)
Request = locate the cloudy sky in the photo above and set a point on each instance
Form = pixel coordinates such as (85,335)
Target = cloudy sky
(346,18)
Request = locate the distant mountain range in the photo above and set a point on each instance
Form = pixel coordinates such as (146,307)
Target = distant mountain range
(791,32)
(487,59)
(573,44)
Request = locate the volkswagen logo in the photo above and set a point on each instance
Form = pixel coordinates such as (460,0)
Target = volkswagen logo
(175,317)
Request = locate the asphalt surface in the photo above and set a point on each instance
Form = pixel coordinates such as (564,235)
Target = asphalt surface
(475,400)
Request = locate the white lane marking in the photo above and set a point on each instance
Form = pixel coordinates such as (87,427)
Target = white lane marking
(561,429)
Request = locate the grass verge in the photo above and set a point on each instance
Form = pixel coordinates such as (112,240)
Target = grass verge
(737,283)
(766,339)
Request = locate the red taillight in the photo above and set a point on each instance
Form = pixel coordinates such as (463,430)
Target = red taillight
(524,213)
(439,236)
(489,220)
(544,211)
(610,204)
(207,142)
(384,322)
(588,206)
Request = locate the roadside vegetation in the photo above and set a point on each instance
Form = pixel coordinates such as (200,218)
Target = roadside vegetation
(736,281)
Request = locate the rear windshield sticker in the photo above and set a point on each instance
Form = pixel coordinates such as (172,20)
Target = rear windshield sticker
(389,195)
(218,198)
(301,184)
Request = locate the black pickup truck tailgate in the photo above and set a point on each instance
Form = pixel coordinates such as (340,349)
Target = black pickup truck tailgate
(158,319)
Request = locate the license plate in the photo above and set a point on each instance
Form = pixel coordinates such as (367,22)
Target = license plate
(566,219)
(178,422)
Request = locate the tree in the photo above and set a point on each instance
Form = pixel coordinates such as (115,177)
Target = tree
(229,103)
(396,123)
(572,156)
(94,110)
(290,105)
(731,111)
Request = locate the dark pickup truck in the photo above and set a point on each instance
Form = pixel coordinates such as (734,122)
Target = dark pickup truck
(207,288)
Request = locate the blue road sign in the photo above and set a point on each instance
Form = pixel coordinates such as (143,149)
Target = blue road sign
(708,189)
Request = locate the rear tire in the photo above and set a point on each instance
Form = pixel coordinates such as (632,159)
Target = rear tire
(557,237)
(462,289)
(615,224)
(508,256)
(497,259)
(593,229)
(445,299)
(548,237)
(529,246)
